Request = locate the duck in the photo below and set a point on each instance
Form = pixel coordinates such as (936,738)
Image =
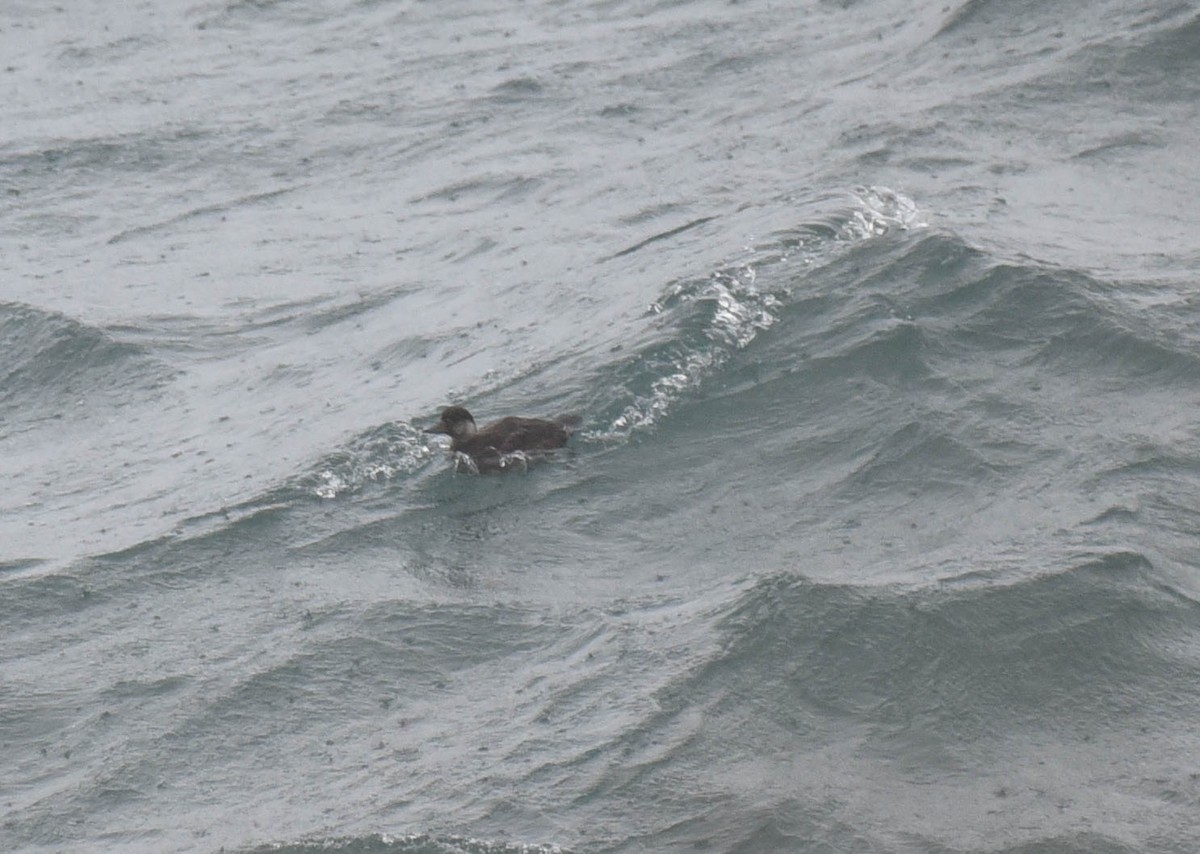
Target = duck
(509,444)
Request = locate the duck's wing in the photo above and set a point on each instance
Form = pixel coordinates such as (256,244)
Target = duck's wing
(569,421)
(525,434)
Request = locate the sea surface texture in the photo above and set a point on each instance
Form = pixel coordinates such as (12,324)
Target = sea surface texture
(881,531)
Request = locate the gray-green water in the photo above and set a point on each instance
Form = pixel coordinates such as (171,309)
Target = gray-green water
(881,530)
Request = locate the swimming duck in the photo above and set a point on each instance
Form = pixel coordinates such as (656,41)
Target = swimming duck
(503,445)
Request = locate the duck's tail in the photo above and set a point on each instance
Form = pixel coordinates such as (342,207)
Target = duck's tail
(569,422)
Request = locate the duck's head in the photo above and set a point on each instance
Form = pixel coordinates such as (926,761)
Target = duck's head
(456,422)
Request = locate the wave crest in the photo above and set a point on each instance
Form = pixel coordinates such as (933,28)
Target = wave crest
(721,314)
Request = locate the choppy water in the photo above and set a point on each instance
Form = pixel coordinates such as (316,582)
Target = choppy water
(881,532)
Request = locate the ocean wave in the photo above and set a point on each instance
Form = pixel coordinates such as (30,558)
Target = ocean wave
(706,320)
(934,309)
(919,453)
(972,658)
(56,366)
(713,318)
(380,454)
(1163,65)
(416,843)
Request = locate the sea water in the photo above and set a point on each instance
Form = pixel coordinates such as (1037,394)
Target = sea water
(880,533)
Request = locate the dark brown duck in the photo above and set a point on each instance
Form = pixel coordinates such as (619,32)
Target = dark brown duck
(504,445)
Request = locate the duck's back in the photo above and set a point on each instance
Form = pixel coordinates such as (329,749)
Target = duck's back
(522,434)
